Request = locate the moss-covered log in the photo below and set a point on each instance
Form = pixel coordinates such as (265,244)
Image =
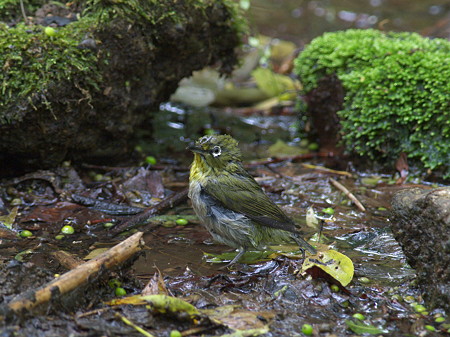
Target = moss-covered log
(78,94)
(395,97)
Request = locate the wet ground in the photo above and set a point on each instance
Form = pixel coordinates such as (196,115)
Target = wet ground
(382,289)
(268,295)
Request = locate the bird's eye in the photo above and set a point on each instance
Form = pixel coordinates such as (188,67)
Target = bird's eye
(216,151)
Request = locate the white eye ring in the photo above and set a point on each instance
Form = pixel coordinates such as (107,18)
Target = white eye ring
(216,151)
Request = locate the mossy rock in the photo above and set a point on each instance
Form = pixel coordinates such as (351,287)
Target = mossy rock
(79,95)
(392,94)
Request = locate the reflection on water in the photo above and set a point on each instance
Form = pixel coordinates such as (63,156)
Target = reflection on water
(300,21)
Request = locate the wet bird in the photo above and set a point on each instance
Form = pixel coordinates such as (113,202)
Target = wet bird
(231,204)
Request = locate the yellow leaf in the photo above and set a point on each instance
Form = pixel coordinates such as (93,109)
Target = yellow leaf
(160,303)
(335,264)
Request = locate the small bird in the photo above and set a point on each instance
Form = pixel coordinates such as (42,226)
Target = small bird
(231,204)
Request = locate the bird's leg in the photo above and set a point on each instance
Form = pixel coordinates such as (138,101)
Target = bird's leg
(303,245)
(236,258)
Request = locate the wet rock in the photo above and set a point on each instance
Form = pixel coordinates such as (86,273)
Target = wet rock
(87,102)
(421,223)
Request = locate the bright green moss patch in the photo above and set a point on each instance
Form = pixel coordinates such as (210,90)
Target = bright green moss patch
(397,92)
(33,62)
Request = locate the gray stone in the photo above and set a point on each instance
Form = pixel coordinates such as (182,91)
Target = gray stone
(421,224)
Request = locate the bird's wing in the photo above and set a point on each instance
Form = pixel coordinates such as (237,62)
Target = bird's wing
(241,193)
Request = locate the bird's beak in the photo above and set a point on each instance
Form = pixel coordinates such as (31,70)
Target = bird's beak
(195,149)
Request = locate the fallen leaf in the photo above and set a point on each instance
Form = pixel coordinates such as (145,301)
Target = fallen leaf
(361,328)
(333,263)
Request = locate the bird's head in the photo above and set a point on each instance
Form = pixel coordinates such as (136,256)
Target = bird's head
(217,152)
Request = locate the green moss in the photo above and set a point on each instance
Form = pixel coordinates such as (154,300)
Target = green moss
(397,92)
(34,62)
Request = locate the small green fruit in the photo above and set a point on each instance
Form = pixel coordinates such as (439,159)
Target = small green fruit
(114,283)
(67,229)
(430,328)
(328,210)
(182,222)
(50,31)
(334,288)
(313,147)
(175,333)
(120,292)
(359,316)
(26,233)
(150,160)
(439,319)
(419,308)
(307,329)
(364,280)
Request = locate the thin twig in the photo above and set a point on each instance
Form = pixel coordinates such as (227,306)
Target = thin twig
(349,194)
(327,170)
(136,327)
(24,14)
(151,211)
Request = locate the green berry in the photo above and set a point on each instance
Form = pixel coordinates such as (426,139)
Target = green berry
(313,147)
(26,233)
(59,237)
(359,316)
(108,224)
(150,160)
(120,292)
(307,329)
(175,333)
(430,328)
(67,229)
(114,283)
(364,280)
(334,288)
(182,222)
(419,308)
(328,210)
(439,319)
(50,31)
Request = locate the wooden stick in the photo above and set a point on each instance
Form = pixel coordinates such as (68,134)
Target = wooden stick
(78,276)
(349,194)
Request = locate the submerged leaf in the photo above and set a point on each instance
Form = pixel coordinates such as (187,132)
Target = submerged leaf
(360,328)
(244,322)
(8,220)
(248,257)
(273,84)
(333,263)
(94,253)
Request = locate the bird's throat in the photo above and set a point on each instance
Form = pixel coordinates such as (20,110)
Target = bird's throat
(199,169)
